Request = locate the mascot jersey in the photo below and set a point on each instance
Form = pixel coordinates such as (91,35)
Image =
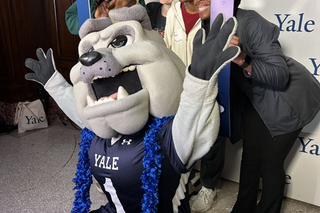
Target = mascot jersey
(118,168)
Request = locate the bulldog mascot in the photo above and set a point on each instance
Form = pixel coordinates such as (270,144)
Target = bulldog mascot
(146,117)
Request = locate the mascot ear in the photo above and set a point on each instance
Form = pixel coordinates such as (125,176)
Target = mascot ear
(94,25)
(136,12)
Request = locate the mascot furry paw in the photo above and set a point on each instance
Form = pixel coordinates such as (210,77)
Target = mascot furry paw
(147,118)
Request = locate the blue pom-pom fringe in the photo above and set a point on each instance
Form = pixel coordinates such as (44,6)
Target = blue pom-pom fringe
(83,178)
(152,163)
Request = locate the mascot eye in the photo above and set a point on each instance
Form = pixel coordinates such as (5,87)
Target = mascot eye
(121,41)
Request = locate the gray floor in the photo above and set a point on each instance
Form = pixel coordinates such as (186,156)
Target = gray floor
(37,169)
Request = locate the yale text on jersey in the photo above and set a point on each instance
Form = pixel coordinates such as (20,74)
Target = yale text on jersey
(106,162)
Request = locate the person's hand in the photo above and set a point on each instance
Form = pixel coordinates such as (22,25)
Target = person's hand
(104,8)
(235,41)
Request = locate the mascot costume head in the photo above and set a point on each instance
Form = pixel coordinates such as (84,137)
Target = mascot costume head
(146,117)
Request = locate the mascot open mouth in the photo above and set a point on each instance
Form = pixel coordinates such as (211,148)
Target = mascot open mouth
(113,88)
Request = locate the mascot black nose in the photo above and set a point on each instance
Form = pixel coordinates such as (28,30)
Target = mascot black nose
(88,59)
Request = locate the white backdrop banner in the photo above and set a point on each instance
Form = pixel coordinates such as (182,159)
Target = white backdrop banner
(299,23)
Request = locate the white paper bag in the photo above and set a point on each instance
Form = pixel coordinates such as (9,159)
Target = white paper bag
(30,115)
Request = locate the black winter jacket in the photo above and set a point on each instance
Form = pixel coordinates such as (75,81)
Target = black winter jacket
(284,93)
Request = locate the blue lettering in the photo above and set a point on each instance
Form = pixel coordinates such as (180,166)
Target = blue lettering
(312,149)
(279,20)
(309,22)
(300,21)
(315,151)
(313,60)
(291,27)
(295,25)
(304,146)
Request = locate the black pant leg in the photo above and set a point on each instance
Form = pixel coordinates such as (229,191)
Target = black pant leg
(272,171)
(263,156)
(254,129)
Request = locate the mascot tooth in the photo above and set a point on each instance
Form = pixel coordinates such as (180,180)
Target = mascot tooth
(146,118)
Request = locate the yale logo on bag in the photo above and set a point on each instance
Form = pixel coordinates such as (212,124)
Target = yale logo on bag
(35,120)
(30,115)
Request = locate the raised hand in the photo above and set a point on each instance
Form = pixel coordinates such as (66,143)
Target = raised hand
(211,56)
(43,69)
(104,8)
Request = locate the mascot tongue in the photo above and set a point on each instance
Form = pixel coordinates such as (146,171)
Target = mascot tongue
(122,93)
